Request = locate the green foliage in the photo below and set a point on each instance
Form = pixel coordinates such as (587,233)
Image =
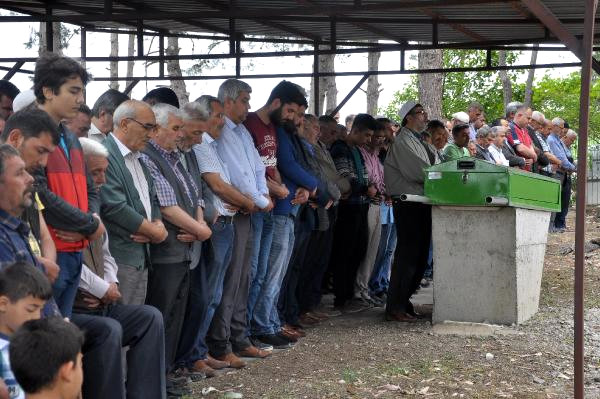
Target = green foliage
(560,97)
(66,34)
(462,88)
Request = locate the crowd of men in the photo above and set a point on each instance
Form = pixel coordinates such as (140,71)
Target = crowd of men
(193,236)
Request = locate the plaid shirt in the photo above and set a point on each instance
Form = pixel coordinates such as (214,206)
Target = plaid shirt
(164,191)
(14,247)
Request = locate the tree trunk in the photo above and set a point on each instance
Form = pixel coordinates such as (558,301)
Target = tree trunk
(327,86)
(430,84)
(506,83)
(56,42)
(114,65)
(173,69)
(530,75)
(130,63)
(373,83)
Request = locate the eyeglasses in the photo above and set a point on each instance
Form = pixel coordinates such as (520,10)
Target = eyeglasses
(147,126)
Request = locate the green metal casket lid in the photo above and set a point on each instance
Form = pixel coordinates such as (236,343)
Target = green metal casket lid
(473,182)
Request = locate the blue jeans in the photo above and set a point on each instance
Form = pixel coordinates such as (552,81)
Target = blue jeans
(65,287)
(265,319)
(380,277)
(262,236)
(429,269)
(206,289)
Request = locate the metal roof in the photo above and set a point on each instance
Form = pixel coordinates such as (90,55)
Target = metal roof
(424,21)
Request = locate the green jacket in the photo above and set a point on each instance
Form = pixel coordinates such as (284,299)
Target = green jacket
(452,152)
(122,210)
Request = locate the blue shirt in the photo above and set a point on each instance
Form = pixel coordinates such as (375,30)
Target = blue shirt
(559,150)
(292,173)
(247,171)
(14,247)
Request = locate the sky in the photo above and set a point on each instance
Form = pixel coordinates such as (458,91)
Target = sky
(98,45)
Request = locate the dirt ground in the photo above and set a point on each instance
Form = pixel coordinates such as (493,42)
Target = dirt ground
(362,356)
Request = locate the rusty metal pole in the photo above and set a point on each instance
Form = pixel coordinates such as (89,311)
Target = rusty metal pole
(584,110)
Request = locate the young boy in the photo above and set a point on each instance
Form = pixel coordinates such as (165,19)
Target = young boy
(23,292)
(46,359)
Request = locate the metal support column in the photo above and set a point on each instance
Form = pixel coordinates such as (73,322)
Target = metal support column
(13,70)
(49,31)
(316,76)
(586,47)
(161,55)
(140,38)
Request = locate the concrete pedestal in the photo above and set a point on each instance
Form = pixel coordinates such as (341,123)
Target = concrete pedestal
(488,263)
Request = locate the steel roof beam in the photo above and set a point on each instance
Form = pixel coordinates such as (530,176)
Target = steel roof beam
(457,27)
(547,17)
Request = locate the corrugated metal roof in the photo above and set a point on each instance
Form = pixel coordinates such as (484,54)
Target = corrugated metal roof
(411,20)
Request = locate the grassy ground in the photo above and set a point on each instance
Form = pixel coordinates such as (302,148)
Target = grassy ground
(361,356)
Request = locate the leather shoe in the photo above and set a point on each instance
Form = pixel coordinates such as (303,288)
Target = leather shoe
(307,319)
(200,366)
(214,363)
(295,330)
(402,317)
(289,335)
(253,351)
(234,361)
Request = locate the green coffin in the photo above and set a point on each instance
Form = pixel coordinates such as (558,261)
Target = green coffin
(473,182)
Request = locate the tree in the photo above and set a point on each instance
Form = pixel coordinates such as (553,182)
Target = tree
(530,76)
(507,90)
(327,86)
(114,65)
(559,97)
(373,86)
(174,69)
(431,84)
(462,88)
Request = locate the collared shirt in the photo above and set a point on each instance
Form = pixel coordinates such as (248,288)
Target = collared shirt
(14,247)
(559,150)
(209,161)
(132,163)
(452,151)
(472,132)
(93,283)
(164,190)
(498,155)
(374,169)
(95,133)
(247,171)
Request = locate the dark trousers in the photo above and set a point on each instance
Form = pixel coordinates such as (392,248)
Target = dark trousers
(206,289)
(227,330)
(560,221)
(413,227)
(288,303)
(141,328)
(168,290)
(315,265)
(349,248)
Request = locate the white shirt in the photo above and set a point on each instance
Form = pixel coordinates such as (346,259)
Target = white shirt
(132,162)
(209,161)
(95,134)
(91,282)
(497,155)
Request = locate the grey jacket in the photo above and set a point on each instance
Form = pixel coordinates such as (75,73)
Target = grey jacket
(405,164)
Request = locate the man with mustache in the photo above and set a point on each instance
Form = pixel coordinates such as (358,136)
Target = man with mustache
(34,135)
(129,203)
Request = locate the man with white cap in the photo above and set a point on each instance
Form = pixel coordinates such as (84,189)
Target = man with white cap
(407,158)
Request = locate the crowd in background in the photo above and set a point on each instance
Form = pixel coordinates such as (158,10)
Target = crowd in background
(192,236)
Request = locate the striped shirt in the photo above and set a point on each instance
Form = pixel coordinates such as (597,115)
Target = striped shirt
(209,161)
(164,191)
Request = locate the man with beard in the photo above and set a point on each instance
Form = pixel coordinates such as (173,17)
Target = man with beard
(281,109)
(34,135)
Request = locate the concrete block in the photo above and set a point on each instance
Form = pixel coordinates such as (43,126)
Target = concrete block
(488,263)
(464,329)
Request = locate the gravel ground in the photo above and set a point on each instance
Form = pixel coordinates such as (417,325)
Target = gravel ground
(362,356)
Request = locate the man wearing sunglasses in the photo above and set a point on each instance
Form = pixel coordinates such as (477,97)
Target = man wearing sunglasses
(129,205)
